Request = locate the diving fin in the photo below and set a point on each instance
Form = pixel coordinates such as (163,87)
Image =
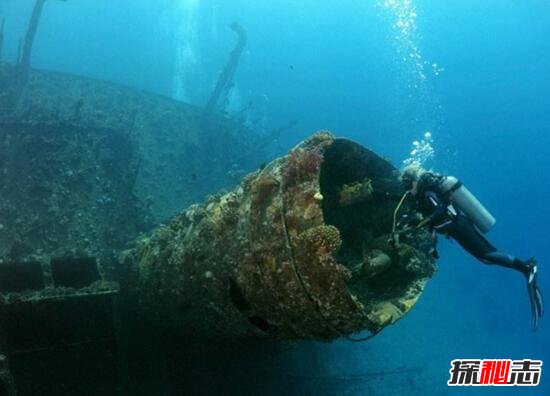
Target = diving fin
(535,295)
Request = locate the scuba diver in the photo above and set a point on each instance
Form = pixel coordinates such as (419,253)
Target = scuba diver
(449,208)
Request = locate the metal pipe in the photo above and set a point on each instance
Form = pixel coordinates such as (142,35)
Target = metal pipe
(279,256)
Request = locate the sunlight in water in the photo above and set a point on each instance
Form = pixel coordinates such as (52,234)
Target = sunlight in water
(406,38)
(187,60)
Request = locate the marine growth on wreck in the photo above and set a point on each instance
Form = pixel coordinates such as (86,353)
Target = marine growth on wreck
(282,256)
(301,248)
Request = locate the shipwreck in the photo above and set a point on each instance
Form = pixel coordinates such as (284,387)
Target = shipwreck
(301,249)
(101,233)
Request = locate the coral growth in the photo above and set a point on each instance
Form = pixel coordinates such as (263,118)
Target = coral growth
(323,237)
(274,258)
(415,261)
(355,192)
(300,164)
(261,189)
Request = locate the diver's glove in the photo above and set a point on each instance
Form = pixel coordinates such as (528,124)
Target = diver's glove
(535,295)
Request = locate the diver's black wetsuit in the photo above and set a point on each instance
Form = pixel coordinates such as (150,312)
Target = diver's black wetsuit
(446,219)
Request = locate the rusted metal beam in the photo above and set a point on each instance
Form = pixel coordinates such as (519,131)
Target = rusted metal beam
(229,69)
(25,60)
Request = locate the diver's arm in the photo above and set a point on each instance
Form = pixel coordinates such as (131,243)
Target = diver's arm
(438,207)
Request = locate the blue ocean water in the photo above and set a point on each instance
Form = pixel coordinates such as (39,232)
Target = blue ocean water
(383,72)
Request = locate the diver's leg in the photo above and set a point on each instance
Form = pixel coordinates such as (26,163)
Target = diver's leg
(529,269)
(505,260)
(472,240)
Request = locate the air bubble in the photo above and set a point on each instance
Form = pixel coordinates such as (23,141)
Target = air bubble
(422,151)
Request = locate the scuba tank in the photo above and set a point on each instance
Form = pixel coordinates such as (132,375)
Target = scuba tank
(464,200)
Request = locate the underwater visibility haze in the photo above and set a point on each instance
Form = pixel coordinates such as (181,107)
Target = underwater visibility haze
(207,197)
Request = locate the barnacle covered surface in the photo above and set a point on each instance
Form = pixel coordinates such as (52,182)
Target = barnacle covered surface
(277,257)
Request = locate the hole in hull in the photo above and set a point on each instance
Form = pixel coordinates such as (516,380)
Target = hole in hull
(241,303)
(237,297)
(18,277)
(74,272)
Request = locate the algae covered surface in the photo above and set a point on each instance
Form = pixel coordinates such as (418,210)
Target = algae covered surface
(86,169)
(277,256)
(97,213)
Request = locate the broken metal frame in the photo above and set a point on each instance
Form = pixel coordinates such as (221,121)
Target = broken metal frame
(19,294)
(229,69)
